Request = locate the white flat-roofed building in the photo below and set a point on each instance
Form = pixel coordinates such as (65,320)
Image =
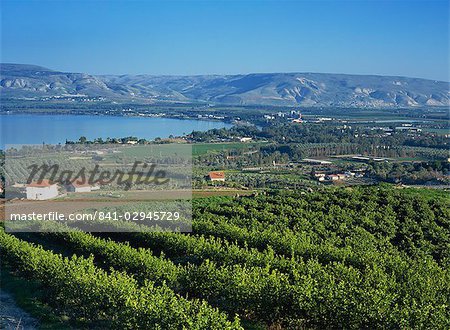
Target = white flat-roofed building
(316,161)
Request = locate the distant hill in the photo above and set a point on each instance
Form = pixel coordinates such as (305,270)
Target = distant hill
(279,89)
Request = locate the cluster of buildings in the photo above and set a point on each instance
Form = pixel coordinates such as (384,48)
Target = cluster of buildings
(408,128)
(324,177)
(45,189)
(210,116)
(294,116)
(74,98)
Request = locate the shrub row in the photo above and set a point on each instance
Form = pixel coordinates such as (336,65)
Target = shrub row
(320,296)
(83,291)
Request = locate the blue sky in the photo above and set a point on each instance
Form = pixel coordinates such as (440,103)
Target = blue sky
(407,38)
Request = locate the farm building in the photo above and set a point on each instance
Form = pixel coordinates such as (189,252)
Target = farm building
(332,177)
(41,190)
(80,186)
(335,177)
(216,176)
(298,120)
(316,161)
(368,158)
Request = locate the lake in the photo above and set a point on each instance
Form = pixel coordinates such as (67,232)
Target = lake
(54,129)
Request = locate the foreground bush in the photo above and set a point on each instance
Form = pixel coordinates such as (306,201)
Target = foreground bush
(83,291)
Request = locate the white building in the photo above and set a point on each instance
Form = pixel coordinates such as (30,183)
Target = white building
(216,176)
(80,186)
(316,161)
(41,190)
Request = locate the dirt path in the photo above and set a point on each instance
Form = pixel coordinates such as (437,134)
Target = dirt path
(12,317)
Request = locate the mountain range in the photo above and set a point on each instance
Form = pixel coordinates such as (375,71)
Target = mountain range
(19,81)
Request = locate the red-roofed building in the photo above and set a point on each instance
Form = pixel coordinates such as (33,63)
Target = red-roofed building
(42,190)
(80,185)
(216,176)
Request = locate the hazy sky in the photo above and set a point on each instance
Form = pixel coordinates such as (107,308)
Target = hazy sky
(407,38)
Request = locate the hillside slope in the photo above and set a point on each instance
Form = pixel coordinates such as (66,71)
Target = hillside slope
(283,89)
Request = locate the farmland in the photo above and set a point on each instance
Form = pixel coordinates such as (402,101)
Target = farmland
(354,258)
(199,149)
(224,165)
(271,247)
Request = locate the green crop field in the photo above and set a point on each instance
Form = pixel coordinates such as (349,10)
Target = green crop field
(429,193)
(158,150)
(355,258)
(439,131)
(203,148)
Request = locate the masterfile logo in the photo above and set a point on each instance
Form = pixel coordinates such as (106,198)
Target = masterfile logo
(98,188)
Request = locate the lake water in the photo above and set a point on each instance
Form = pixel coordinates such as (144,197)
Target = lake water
(54,129)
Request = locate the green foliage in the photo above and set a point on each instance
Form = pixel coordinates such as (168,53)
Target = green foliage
(412,173)
(81,290)
(365,257)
